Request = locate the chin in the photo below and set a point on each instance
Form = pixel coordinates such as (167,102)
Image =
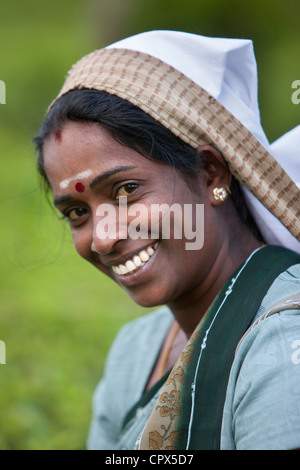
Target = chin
(146,300)
(150,296)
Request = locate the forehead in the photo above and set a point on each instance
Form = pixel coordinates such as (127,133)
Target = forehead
(77,144)
(82,149)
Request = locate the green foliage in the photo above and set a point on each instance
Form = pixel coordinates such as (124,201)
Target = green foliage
(58,315)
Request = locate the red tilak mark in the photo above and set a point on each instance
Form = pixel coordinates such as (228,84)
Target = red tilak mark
(79,187)
(57,134)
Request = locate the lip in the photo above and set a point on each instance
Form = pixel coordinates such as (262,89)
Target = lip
(140,274)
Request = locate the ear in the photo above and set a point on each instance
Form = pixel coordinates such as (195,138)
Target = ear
(217,174)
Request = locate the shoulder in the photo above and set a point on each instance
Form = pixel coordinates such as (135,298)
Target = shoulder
(135,348)
(128,366)
(282,296)
(285,285)
(134,335)
(148,322)
(277,321)
(263,394)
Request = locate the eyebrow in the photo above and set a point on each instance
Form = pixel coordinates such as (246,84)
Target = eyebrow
(95,182)
(107,174)
(61,199)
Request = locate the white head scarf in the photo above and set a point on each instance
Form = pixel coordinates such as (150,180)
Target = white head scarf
(226,68)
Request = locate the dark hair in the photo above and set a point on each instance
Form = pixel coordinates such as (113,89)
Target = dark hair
(132,127)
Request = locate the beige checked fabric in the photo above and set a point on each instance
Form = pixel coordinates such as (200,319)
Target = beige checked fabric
(193,115)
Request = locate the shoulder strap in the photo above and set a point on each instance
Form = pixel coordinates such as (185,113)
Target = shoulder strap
(292,302)
(209,377)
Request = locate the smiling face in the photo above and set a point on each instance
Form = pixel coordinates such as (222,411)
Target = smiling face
(154,271)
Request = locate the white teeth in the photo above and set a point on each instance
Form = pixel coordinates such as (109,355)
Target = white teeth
(116,269)
(144,255)
(136,261)
(150,250)
(122,269)
(130,266)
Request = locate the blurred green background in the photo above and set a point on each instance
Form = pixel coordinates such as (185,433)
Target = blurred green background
(58,315)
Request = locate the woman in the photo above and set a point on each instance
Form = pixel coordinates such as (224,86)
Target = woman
(155,128)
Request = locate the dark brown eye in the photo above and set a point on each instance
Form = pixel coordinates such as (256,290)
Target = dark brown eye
(75,214)
(126,189)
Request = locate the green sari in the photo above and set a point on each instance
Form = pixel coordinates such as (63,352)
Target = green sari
(189,410)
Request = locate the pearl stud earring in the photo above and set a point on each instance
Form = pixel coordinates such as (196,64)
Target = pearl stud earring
(220,194)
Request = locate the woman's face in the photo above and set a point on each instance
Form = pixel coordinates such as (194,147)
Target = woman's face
(91,175)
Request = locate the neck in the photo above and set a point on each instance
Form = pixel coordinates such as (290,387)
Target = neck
(189,311)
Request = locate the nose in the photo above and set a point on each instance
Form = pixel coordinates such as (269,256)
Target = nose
(101,250)
(107,230)
(103,245)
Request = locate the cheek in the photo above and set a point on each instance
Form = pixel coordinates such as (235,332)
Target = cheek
(82,241)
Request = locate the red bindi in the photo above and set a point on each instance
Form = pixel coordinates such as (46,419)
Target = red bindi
(57,134)
(79,187)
